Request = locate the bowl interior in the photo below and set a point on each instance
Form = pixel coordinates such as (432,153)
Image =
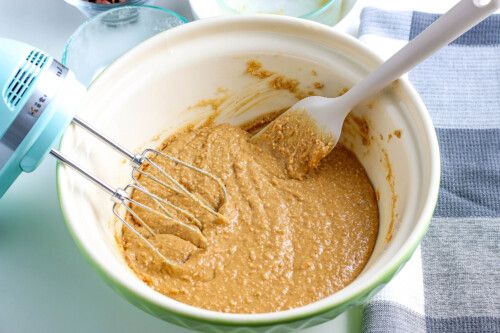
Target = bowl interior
(149,93)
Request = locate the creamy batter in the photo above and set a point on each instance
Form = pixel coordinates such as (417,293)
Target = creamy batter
(296,141)
(284,243)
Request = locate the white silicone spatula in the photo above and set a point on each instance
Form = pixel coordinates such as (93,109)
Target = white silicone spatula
(328,114)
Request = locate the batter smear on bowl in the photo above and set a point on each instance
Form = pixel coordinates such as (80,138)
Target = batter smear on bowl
(285,242)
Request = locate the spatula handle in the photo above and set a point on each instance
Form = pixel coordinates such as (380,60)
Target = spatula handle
(459,19)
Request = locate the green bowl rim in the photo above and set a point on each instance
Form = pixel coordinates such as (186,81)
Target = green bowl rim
(82,26)
(386,272)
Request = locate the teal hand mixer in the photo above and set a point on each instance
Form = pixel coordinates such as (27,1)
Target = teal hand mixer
(38,99)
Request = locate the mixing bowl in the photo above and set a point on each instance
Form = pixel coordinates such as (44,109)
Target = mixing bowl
(149,92)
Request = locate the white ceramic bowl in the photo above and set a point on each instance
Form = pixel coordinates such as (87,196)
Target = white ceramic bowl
(147,91)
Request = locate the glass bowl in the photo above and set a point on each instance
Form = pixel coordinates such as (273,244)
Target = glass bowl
(102,39)
(91,9)
(323,11)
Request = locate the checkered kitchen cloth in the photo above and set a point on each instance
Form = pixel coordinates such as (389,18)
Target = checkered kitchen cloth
(452,283)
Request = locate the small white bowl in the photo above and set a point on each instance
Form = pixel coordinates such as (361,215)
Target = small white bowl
(147,92)
(348,13)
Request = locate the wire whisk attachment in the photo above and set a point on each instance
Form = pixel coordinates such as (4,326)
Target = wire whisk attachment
(141,202)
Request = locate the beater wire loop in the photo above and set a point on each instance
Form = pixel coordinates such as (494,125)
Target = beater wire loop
(165,210)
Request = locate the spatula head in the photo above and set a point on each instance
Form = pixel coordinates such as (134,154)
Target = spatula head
(296,139)
(303,135)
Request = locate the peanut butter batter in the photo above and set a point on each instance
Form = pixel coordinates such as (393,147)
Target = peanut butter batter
(285,242)
(295,139)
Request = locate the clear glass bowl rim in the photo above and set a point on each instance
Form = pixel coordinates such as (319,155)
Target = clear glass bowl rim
(98,16)
(105,6)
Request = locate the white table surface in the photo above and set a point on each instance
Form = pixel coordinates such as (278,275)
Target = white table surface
(45,284)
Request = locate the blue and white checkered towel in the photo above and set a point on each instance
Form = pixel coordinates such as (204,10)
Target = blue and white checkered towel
(452,283)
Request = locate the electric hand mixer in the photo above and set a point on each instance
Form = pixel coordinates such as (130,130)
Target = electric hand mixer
(37,101)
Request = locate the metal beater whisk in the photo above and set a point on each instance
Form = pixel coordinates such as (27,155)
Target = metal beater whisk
(123,196)
(38,96)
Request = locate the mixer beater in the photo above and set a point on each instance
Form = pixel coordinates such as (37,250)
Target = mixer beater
(38,97)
